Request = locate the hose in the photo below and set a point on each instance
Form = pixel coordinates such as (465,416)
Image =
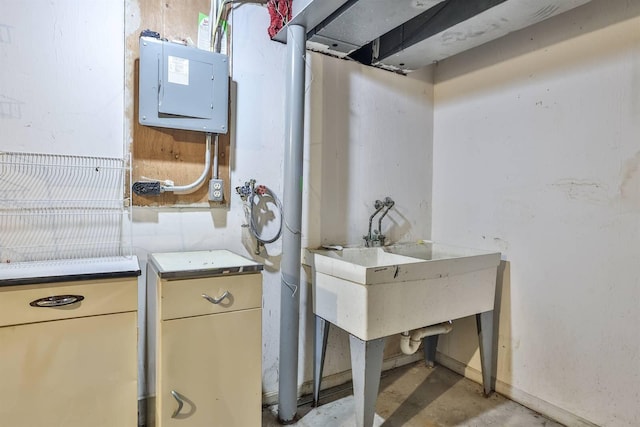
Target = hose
(261,192)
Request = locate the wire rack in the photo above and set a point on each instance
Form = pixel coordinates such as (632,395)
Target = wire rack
(59,207)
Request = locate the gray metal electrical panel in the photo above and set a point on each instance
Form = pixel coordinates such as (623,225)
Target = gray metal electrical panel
(182,87)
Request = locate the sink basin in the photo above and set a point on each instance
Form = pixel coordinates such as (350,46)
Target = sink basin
(362,265)
(377,292)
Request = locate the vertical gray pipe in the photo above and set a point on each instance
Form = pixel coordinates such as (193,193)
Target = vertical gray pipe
(292,204)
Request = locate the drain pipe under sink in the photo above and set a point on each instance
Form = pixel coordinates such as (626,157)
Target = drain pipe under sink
(409,342)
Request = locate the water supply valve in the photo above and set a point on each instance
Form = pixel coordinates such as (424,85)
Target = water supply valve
(246,190)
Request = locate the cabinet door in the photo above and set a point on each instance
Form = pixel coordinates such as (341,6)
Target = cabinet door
(213,364)
(69,373)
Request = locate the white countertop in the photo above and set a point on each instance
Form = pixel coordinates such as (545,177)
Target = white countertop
(201,263)
(68,269)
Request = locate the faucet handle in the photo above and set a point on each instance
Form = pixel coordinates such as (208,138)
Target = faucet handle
(378,204)
(388,201)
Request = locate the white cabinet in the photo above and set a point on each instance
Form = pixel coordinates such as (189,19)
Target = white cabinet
(207,351)
(72,365)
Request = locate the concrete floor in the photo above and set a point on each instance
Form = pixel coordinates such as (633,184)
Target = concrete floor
(417,396)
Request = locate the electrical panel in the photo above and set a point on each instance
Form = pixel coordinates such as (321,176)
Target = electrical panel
(182,87)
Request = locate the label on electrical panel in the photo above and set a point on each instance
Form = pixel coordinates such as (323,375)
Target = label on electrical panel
(178,70)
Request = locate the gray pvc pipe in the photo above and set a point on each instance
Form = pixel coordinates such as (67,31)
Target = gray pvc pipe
(292,204)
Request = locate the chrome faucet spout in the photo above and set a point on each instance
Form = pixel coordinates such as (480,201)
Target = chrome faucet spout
(389,204)
(378,205)
(375,237)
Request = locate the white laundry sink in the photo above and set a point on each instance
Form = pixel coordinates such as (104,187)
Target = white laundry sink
(363,265)
(381,291)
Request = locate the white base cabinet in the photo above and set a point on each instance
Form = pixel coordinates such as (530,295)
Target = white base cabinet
(73,365)
(208,348)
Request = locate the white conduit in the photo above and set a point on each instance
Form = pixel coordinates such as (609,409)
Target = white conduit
(215,158)
(190,188)
(409,342)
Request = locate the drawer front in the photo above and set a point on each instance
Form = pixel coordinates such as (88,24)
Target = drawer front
(184,298)
(98,297)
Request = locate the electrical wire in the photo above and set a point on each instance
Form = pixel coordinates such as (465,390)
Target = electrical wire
(167,185)
(213,11)
(221,24)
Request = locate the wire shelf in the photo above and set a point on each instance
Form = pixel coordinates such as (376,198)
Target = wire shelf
(55,207)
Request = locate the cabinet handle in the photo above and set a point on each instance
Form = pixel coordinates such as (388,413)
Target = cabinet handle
(180,403)
(56,301)
(216,300)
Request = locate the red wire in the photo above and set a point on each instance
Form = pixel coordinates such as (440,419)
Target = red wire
(280,14)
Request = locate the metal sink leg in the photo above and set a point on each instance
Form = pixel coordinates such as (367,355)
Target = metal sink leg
(484,323)
(319,351)
(366,366)
(429,346)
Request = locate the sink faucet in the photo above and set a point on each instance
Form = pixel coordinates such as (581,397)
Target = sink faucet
(375,237)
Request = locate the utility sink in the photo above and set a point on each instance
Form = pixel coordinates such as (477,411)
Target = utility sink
(363,265)
(376,292)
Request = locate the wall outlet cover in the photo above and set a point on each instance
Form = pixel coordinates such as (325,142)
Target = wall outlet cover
(216,190)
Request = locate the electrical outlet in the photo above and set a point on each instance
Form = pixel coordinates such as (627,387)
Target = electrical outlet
(216,190)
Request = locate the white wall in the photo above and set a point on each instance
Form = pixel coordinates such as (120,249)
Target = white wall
(61,77)
(369,136)
(537,154)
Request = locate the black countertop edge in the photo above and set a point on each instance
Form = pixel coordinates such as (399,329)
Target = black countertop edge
(195,274)
(69,278)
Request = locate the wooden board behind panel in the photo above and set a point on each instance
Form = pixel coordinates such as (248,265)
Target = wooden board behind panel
(159,153)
